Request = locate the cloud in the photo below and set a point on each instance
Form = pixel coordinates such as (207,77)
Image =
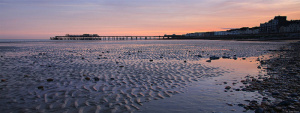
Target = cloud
(157,16)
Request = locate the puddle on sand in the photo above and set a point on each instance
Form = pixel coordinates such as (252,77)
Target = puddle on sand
(210,94)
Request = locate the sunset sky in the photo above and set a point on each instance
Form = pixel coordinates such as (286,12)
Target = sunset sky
(41,19)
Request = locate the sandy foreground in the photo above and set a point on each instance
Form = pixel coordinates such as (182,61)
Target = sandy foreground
(143,76)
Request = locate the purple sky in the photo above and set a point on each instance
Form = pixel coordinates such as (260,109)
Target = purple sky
(41,19)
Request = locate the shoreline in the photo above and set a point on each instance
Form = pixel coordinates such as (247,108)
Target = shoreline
(281,82)
(101,69)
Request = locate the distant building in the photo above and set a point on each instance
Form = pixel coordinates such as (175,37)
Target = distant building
(221,33)
(290,27)
(200,34)
(241,31)
(254,30)
(277,25)
(208,34)
(273,25)
(196,34)
(233,32)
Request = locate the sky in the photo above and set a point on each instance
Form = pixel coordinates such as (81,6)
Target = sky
(41,19)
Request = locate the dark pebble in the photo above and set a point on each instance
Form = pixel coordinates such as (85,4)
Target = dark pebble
(259,110)
(3,80)
(26,75)
(121,66)
(247,100)
(241,105)
(112,78)
(50,80)
(265,98)
(151,60)
(294,95)
(40,87)
(275,93)
(229,104)
(225,57)
(258,81)
(198,55)
(214,58)
(246,107)
(87,78)
(284,103)
(258,67)
(253,101)
(96,79)
(227,87)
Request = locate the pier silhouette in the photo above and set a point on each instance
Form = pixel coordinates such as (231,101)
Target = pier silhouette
(97,37)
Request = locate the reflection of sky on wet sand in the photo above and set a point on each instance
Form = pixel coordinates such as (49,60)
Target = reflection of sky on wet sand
(248,65)
(209,95)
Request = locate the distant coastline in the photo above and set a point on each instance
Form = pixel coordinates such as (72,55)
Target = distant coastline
(276,29)
(241,37)
(245,37)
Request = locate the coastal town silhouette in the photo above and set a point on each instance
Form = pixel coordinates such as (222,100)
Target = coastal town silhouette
(277,28)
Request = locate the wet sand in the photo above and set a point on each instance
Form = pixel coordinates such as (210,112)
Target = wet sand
(126,76)
(280,82)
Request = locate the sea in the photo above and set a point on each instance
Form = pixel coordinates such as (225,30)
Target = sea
(147,76)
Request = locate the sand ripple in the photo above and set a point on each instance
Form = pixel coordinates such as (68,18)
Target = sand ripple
(99,78)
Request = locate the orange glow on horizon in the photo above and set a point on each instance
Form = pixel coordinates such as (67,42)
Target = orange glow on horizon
(46,19)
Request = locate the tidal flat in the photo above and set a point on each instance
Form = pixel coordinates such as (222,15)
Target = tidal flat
(130,76)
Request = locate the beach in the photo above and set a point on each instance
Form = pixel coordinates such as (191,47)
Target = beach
(136,76)
(281,81)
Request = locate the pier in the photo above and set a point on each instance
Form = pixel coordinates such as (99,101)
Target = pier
(97,37)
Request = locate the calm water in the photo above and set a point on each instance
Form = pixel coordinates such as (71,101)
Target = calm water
(127,76)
